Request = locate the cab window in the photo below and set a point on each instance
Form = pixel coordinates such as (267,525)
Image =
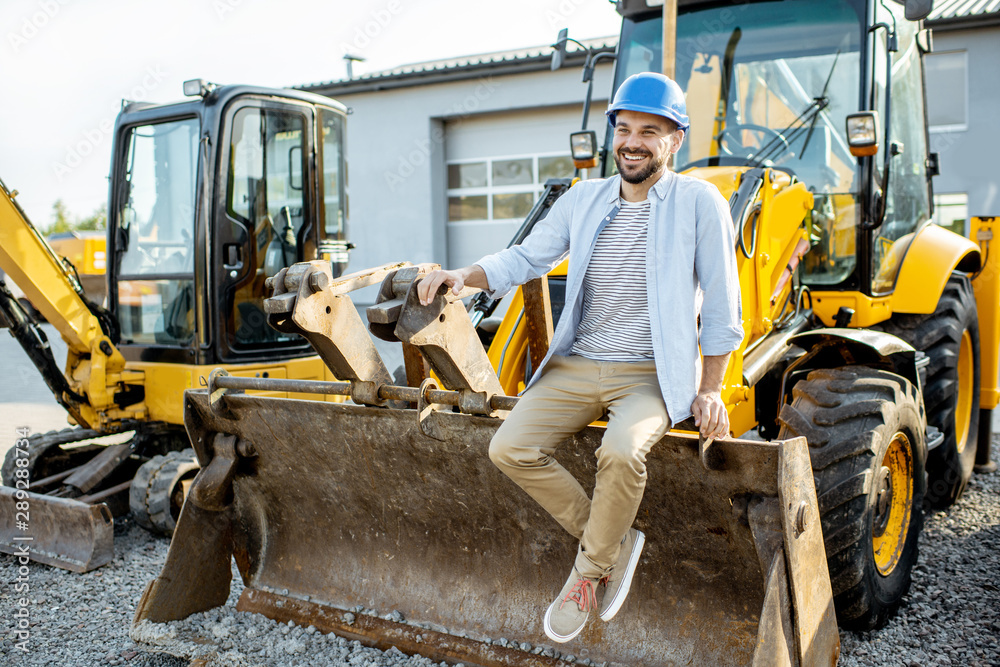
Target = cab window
(155,284)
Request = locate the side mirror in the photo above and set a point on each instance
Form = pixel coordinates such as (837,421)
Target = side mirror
(862,133)
(583,148)
(559,52)
(198,87)
(917,10)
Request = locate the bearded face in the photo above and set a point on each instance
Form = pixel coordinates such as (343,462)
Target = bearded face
(637,164)
(643,143)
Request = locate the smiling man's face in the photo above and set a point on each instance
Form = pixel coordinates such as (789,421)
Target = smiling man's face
(642,144)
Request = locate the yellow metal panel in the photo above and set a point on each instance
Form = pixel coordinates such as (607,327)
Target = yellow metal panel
(986,287)
(740,401)
(931,258)
(727,179)
(28,260)
(166,383)
(867,310)
(95,255)
(508,350)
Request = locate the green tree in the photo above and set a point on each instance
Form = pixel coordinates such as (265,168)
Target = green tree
(61,220)
(64,221)
(96,221)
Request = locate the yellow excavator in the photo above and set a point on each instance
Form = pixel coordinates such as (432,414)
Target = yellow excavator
(209,197)
(866,377)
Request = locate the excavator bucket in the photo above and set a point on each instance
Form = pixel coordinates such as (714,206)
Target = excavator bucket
(66,519)
(333,510)
(63,532)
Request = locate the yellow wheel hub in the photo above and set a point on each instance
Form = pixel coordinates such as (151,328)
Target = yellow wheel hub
(893,504)
(966,375)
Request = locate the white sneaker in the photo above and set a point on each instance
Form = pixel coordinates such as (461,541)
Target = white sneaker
(568,613)
(619,581)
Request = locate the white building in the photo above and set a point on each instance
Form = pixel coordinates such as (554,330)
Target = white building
(962,102)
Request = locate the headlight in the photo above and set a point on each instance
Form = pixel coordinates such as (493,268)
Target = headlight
(862,133)
(583,148)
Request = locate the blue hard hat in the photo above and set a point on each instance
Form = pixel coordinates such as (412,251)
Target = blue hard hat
(650,92)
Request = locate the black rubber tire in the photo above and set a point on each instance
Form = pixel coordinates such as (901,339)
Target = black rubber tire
(939,335)
(850,415)
(153,496)
(46,457)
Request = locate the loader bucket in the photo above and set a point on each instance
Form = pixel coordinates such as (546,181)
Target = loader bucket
(66,533)
(335,507)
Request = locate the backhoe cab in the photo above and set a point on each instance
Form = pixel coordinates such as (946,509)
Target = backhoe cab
(209,198)
(828,98)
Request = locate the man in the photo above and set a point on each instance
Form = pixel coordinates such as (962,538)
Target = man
(642,246)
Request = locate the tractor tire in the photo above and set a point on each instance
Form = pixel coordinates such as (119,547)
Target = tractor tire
(865,429)
(46,456)
(950,338)
(157,491)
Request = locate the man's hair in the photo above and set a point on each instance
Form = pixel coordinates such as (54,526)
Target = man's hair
(671,124)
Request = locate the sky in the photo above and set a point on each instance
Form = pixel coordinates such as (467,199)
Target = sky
(66,65)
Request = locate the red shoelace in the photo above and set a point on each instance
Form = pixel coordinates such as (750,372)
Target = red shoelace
(582,594)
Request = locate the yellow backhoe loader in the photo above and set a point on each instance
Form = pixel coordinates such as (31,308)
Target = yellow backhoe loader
(209,197)
(870,350)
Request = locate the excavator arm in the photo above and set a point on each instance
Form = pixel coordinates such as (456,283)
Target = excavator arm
(71,522)
(95,378)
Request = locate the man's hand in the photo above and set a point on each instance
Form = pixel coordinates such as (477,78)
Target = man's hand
(710,414)
(428,287)
(471,276)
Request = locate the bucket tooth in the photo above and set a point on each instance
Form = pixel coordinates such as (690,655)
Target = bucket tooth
(308,301)
(442,332)
(197,572)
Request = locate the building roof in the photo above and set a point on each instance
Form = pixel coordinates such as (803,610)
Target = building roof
(946,15)
(964,13)
(463,67)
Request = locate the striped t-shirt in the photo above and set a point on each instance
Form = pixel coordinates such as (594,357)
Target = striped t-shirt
(615,322)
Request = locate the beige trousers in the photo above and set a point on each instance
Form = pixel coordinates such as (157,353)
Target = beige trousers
(573,392)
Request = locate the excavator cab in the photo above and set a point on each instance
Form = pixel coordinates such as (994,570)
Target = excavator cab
(209,199)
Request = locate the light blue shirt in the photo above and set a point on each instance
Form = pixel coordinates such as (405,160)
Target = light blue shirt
(690,268)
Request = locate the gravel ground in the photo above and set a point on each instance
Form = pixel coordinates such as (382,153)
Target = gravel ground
(951,617)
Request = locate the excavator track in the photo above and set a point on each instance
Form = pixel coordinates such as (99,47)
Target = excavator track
(157,492)
(60,494)
(41,444)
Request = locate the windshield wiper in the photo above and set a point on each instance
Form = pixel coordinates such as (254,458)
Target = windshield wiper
(809,115)
(794,129)
(812,125)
